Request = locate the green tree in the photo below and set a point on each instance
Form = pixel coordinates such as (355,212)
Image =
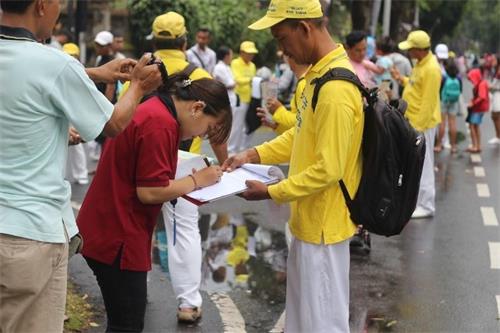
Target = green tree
(440,18)
(479,28)
(227,19)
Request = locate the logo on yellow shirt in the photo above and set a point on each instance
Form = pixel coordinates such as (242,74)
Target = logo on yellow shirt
(302,107)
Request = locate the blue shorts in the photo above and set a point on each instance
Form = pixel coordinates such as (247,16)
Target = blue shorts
(475,118)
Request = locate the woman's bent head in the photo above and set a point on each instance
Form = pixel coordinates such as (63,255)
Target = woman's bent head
(202,105)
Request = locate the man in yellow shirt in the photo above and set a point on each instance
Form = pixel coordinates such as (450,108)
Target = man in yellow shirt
(323,147)
(243,71)
(421,91)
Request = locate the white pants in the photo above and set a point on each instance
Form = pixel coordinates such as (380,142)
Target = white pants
(238,139)
(77,163)
(427,192)
(184,258)
(317,290)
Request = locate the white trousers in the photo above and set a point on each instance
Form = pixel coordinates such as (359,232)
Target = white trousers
(77,163)
(184,258)
(427,192)
(238,139)
(317,290)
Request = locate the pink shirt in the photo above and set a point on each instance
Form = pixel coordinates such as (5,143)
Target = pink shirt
(364,72)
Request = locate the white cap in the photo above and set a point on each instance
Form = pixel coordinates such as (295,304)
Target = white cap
(441,51)
(104,38)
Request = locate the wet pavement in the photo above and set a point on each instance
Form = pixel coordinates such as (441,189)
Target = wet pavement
(434,277)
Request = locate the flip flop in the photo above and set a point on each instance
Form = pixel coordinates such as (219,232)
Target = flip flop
(438,149)
(473,151)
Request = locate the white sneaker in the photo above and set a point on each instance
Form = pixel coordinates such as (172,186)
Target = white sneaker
(82,181)
(494,141)
(421,213)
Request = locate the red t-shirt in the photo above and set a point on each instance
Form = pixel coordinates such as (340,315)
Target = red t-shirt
(111,216)
(481,98)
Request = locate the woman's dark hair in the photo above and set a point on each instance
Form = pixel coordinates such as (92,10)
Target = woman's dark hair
(354,38)
(18,6)
(451,68)
(386,45)
(222,52)
(210,91)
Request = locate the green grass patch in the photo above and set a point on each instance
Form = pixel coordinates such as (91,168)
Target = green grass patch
(79,311)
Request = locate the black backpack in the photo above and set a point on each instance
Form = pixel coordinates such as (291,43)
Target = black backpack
(393,157)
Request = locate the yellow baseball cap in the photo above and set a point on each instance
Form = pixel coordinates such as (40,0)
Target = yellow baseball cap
(169,26)
(417,39)
(248,47)
(280,10)
(71,49)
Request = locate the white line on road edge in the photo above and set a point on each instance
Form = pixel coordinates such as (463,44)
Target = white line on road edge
(498,306)
(494,255)
(231,317)
(479,171)
(475,158)
(489,216)
(76,205)
(483,191)
(280,325)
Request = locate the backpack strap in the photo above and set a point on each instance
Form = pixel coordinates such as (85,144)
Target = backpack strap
(344,74)
(198,57)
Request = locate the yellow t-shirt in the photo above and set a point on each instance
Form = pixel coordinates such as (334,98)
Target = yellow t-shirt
(175,61)
(287,119)
(243,73)
(421,92)
(323,147)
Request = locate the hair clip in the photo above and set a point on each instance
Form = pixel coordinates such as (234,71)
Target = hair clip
(186,83)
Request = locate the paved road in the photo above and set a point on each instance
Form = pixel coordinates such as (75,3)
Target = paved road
(440,274)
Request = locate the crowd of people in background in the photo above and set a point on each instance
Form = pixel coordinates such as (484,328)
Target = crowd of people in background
(209,92)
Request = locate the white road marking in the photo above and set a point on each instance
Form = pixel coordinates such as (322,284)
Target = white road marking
(489,216)
(483,191)
(494,255)
(479,171)
(76,205)
(475,158)
(498,306)
(231,317)
(280,324)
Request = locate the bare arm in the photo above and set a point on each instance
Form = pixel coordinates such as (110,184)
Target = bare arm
(144,79)
(220,152)
(179,187)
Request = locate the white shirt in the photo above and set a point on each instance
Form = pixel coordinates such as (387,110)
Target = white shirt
(495,92)
(222,72)
(207,56)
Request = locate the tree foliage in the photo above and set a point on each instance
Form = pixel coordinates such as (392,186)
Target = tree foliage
(440,18)
(479,28)
(227,19)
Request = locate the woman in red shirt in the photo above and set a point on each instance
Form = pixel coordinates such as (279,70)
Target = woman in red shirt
(135,176)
